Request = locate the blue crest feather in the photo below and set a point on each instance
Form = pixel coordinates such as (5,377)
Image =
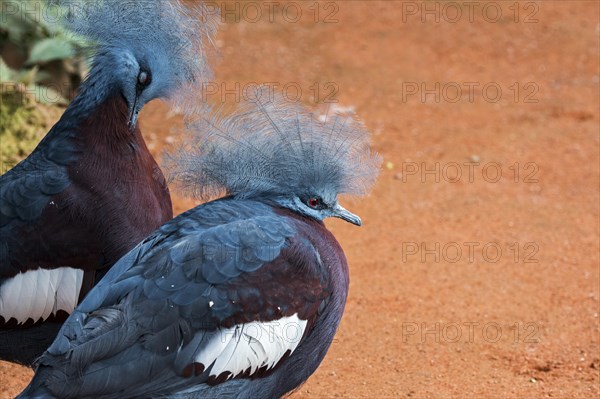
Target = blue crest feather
(270,146)
(166,30)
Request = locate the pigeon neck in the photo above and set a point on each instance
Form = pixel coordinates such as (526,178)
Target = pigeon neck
(94,91)
(107,127)
(99,115)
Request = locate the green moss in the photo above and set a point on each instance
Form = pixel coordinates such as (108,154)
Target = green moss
(23,123)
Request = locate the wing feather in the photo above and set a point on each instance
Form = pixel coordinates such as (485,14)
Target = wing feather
(172,321)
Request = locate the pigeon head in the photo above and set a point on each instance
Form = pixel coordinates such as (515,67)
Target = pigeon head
(144,49)
(318,204)
(272,150)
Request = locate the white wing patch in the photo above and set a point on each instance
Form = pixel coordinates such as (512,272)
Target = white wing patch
(38,293)
(250,346)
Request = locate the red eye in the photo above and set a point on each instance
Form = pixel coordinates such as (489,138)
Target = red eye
(313,202)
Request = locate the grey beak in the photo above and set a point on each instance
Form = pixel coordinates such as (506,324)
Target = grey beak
(340,212)
(133,114)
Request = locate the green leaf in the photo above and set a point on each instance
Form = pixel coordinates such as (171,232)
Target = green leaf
(6,73)
(17,25)
(27,76)
(49,50)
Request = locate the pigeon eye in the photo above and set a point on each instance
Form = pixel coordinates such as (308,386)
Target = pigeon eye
(144,78)
(313,202)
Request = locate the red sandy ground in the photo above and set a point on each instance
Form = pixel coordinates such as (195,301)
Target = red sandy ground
(528,317)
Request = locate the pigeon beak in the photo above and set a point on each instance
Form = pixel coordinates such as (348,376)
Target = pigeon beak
(340,212)
(133,114)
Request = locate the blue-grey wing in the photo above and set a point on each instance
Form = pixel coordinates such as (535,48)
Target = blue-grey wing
(26,188)
(25,191)
(158,319)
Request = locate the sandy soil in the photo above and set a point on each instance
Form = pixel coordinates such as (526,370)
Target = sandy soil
(483,285)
